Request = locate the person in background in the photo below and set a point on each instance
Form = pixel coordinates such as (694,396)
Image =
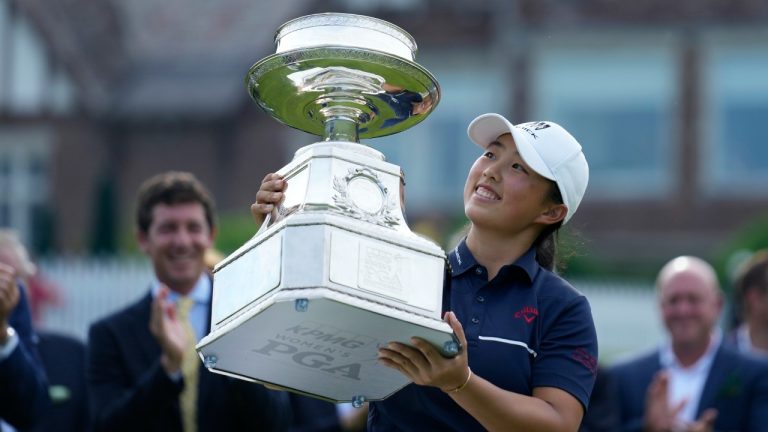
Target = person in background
(529,352)
(692,382)
(62,356)
(211,258)
(23,385)
(41,292)
(603,412)
(751,292)
(143,371)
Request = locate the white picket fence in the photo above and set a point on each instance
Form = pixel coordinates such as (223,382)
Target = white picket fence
(625,314)
(91,289)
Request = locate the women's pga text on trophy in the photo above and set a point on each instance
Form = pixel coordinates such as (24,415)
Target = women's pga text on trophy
(308,301)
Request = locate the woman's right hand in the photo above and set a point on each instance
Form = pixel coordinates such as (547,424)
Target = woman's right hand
(271,193)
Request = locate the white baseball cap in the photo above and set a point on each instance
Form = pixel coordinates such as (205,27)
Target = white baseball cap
(545,147)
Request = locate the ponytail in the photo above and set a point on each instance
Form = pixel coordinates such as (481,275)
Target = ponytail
(546,242)
(546,247)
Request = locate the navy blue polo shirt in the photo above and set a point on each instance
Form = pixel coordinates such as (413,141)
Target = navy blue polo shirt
(526,328)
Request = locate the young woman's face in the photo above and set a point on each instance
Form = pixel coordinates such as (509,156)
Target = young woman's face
(502,193)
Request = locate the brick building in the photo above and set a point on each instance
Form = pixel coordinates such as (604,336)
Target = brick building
(667,99)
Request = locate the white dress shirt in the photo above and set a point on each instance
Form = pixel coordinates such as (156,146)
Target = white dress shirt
(687,383)
(201,293)
(744,342)
(198,315)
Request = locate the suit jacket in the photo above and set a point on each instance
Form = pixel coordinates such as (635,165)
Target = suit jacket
(24,395)
(737,386)
(603,412)
(130,391)
(64,361)
(313,415)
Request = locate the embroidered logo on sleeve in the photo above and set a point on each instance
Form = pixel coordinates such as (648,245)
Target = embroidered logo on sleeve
(527,313)
(583,356)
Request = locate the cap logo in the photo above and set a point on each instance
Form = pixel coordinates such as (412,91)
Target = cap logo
(532,127)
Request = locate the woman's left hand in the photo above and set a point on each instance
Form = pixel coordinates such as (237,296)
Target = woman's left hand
(425,365)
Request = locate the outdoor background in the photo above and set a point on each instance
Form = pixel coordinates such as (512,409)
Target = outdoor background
(669,100)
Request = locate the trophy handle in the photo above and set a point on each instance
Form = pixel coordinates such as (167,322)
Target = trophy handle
(269,220)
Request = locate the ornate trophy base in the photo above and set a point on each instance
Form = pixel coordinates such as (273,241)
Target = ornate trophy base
(319,342)
(308,301)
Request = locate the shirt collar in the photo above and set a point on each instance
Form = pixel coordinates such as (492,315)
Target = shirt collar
(462,260)
(744,342)
(668,358)
(201,293)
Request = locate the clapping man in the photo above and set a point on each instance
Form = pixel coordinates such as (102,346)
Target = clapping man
(143,371)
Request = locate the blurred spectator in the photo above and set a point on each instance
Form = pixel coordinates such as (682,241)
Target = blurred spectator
(42,293)
(751,292)
(143,372)
(692,382)
(211,258)
(602,415)
(64,361)
(23,385)
(62,357)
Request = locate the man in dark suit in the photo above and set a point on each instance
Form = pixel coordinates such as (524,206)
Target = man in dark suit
(142,367)
(63,358)
(603,412)
(23,384)
(693,382)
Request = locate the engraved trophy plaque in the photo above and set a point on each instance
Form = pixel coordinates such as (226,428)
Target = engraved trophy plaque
(335,272)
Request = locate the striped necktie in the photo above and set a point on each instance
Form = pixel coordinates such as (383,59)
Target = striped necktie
(189,367)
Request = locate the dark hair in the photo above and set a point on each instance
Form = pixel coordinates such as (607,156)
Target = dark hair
(171,188)
(546,242)
(753,276)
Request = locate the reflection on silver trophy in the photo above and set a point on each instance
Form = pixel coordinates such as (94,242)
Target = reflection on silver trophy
(335,273)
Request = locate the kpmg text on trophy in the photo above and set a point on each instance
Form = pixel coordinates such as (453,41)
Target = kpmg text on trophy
(306,303)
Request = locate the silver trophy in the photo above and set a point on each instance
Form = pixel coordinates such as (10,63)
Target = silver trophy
(335,273)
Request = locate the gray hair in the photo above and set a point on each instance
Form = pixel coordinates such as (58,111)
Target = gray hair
(11,245)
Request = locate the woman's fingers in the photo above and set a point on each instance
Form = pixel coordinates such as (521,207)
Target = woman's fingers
(456,326)
(430,354)
(409,360)
(273,183)
(268,197)
(270,194)
(395,360)
(260,212)
(272,188)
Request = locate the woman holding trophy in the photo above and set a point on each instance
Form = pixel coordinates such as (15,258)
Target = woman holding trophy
(529,348)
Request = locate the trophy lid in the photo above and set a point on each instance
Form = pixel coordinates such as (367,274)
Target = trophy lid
(343,77)
(339,29)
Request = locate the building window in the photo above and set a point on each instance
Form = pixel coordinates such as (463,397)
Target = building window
(24,180)
(735,156)
(616,95)
(31,81)
(5,31)
(29,68)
